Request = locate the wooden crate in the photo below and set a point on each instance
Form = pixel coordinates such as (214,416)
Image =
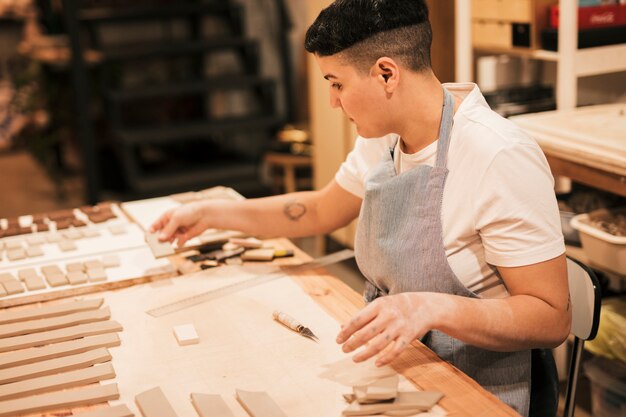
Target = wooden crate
(493,19)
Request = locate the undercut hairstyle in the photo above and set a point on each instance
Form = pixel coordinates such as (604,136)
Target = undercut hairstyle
(361,31)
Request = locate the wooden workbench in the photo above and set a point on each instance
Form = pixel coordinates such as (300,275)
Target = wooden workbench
(586,144)
(462,396)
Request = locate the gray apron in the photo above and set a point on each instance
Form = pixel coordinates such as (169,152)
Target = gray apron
(399,248)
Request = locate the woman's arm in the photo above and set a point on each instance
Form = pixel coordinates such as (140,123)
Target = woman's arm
(536,314)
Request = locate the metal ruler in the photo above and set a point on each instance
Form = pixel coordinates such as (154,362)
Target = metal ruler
(242,285)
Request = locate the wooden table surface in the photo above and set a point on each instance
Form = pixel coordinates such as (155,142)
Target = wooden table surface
(462,395)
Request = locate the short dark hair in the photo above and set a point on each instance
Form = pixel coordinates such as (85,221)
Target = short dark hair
(365,30)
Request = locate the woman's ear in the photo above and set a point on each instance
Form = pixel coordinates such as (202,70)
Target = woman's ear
(387,73)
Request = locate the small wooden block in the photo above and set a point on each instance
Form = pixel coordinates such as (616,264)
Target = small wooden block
(384,389)
(94,264)
(76,277)
(159,249)
(67,245)
(22,274)
(62,399)
(111,261)
(53,238)
(258,255)
(56,280)
(51,270)
(34,283)
(13,287)
(49,310)
(16,254)
(153,403)
(13,244)
(186,334)
(89,232)
(116,411)
(35,240)
(5,276)
(34,251)
(250,243)
(96,275)
(259,404)
(58,350)
(207,405)
(75,267)
(117,230)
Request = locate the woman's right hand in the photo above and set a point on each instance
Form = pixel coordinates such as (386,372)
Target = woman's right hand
(181,223)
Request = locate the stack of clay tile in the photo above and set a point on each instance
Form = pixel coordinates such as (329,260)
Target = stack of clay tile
(375,390)
(53,357)
(100,213)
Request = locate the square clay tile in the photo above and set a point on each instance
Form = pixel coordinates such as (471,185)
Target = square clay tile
(16,254)
(34,251)
(96,275)
(67,245)
(48,270)
(56,280)
(22,274)
(34,283)
(75,267)
(76,277)
(13,287)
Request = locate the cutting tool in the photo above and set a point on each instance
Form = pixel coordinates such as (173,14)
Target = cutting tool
(294,325)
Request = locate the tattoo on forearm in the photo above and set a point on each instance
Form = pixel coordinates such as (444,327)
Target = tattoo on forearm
(294,210)
(569,301)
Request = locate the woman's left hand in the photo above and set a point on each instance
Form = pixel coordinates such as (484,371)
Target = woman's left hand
(394,319)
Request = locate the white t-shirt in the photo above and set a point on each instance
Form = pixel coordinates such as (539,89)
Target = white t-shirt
(499,206)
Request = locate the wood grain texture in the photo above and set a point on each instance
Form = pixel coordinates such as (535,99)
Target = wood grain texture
(208,405)
(59,335)
(259,404)
(57,350)
(153,403)
(52,366)
(55,400)
(57,382)
(121,410)
(52,323)
(462,395)
(12,316)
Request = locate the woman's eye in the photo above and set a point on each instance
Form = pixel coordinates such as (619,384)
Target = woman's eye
(336,86)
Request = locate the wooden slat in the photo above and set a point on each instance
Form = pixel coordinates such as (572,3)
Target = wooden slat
(153,403)
(57,382)
(259,404)
(57,350)
(56,400)
(34,326)
(52,366)
(117,411)
(210,405)
(12,316)
(59,335)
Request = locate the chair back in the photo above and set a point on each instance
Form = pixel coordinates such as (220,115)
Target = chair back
(585,299)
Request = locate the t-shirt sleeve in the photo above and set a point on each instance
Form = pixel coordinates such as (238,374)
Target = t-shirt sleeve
(515,208)
(366,154)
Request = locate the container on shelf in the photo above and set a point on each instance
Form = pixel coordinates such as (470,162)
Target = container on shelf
(601,247)
(608,387)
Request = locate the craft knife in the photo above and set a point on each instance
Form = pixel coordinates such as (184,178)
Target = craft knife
(294,325)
